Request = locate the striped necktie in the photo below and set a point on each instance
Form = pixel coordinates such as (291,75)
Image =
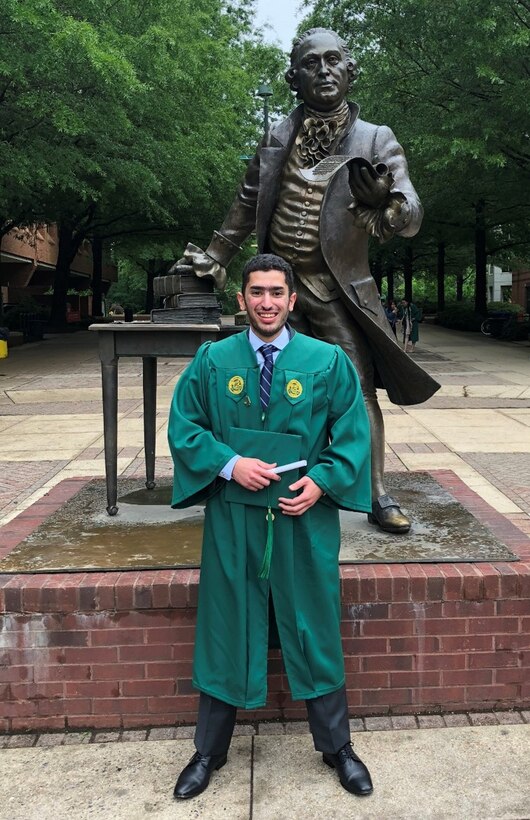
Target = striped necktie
(265,379)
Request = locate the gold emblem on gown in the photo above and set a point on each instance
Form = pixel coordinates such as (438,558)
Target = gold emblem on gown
(236,385)
(294,389)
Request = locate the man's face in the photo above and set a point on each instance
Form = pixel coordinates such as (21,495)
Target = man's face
(322,72)
(267,302)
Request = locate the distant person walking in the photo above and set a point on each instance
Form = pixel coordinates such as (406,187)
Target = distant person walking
(410,316)
(391,313)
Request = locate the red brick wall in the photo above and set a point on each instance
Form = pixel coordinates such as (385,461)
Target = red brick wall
(115,649)
(520,283)
(111,649)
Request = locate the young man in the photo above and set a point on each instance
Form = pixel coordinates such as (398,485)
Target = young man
(257,400)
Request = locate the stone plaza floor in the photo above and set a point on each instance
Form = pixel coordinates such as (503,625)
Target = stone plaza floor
(477,425)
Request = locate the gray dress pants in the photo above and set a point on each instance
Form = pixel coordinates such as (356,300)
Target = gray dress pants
(327,715)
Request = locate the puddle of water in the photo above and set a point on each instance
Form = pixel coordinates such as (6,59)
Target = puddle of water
(148,533)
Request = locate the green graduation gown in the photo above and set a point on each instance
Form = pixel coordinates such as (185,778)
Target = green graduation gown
(230,661)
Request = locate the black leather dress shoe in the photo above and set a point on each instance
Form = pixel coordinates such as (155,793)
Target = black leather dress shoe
(352,772)
(194,778)
(387,514)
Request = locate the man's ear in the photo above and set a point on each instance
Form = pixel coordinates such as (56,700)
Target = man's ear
(241,301)
(292,300)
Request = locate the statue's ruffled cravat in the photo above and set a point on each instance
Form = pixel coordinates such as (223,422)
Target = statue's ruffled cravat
(319,131)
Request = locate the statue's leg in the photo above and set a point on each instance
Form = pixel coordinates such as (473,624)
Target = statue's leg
(332,322)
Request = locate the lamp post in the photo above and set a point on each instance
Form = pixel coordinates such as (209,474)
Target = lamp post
(265,91)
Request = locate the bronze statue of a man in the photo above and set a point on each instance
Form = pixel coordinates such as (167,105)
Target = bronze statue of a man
(322,228)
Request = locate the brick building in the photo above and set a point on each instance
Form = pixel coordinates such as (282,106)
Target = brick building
(521,288)
(27,266)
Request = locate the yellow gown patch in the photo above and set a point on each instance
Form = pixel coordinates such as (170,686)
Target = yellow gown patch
(236,385)
(294,389)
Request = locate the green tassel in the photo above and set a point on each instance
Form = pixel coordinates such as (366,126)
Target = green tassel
(266,564)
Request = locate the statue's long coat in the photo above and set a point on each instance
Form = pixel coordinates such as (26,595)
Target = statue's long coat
(344,246)
(328,414)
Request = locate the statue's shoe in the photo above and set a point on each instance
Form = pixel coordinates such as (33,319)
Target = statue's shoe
(387,514)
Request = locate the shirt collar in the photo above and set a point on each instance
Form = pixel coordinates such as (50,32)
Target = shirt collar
(279,342)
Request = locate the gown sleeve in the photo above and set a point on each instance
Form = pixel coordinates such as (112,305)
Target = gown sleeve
(198,457)
(343,470)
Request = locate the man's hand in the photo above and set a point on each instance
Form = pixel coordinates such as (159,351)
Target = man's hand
(253,474)
(203,265)
(310,494)
(370,186)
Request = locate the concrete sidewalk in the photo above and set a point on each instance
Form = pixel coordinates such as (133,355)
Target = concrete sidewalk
(478,425)
(473,773)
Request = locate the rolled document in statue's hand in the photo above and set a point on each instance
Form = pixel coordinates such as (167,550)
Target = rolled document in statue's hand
(329,166)
(284,468)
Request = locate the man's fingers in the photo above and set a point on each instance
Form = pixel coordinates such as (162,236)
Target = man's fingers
(265,469)
(298,510)
(294,503)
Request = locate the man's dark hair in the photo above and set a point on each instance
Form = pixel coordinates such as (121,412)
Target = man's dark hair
(292,72)
(266,262)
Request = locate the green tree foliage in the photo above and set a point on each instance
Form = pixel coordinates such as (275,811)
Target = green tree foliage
(452,79)
(124,116)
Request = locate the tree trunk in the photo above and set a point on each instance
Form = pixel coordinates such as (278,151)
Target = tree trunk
(149,295)
(440,273)
(97,276)
(377,271)
(68,246)
(407,272)
(481,259)
(390,282)
(459,287)
(6,225)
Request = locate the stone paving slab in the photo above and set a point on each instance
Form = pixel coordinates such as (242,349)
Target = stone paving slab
(77,409)
(457,773)
(123,781)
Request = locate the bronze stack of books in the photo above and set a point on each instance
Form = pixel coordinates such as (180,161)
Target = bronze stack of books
(186,298)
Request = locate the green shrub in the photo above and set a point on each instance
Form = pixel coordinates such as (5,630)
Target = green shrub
(504,307)
(13,316)
(228,299)
(428,307)
(516,332)
(459,316)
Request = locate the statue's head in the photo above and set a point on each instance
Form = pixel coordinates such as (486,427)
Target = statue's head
(322,69)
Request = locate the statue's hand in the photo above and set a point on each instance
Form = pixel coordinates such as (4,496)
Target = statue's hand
(370,185)
(203,265)
(397,214)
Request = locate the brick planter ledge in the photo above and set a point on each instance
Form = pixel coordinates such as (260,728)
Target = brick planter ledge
(114,649)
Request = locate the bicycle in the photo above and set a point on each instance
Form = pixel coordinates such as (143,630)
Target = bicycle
(498,326)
